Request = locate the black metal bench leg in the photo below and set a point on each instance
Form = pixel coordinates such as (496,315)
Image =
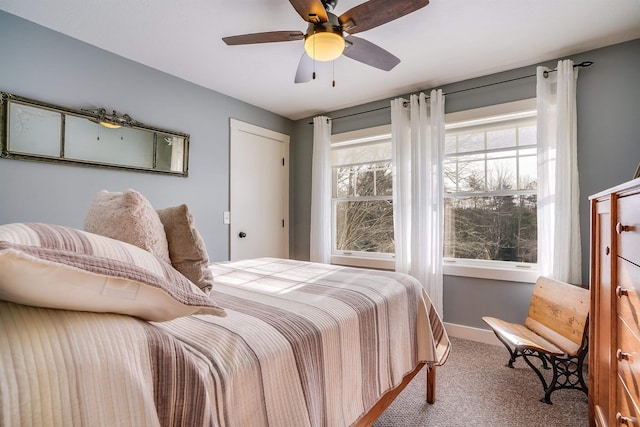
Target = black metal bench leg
(513,354)
(567,373)
(525,355)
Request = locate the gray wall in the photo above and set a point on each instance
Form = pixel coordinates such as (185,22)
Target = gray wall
(608,152)
(48,66)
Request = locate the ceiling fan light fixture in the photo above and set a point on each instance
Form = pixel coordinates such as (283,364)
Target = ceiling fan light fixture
(324,45)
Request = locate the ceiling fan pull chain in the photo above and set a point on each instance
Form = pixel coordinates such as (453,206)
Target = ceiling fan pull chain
(314,58)
(333,69)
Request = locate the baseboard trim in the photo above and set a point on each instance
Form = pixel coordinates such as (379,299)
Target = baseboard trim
(470,333)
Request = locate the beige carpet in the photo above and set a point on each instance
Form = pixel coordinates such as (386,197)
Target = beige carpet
(475,388)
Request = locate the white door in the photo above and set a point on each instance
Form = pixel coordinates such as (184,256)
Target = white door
(259,192)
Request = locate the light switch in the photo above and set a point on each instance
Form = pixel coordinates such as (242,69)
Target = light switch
(226,217)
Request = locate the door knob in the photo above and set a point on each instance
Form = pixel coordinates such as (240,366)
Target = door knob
(242,235)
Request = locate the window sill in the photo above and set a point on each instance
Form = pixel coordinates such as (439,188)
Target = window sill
(506,273)
(364,262)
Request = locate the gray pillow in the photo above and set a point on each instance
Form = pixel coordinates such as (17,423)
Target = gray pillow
(187,249)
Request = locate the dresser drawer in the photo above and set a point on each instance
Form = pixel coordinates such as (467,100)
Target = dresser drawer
(628,294)
(628,359)
(627,412)
(628,228)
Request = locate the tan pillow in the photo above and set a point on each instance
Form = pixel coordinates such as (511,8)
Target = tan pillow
(130,218)
(187,249)
(53,266)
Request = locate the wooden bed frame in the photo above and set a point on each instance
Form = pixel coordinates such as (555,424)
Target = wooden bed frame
(374,413)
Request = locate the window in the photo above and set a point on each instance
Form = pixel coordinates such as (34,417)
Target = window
(490,169)
(362,193)
(490,196)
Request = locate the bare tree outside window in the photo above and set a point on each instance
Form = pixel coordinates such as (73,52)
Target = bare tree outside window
(490,193)
(364,214)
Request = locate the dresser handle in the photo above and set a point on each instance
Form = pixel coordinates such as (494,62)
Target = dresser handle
(620,419)
(621,292)
(622,228)
(607,251)
(621,355)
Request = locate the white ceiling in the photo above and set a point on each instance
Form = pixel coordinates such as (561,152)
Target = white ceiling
(444,42)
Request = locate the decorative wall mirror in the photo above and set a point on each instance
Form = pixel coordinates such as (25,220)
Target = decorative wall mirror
(34,130)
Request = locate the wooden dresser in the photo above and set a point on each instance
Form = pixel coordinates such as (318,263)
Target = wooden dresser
(614,335)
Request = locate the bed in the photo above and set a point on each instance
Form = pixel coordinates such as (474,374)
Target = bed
(274,343)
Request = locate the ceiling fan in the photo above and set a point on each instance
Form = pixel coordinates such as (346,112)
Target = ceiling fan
(325,39)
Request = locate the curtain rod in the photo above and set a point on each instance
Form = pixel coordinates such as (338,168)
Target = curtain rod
(583,64)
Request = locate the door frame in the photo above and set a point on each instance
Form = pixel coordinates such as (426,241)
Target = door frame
(237,125)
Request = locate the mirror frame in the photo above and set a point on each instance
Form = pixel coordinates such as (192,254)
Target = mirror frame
(6,153)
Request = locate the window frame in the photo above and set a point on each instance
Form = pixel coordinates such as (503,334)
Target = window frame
(376,260)
(490,269)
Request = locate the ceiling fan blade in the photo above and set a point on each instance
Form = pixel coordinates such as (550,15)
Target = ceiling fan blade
(368,53)
(310,10)
(268,37)
(305,69)
(377,12)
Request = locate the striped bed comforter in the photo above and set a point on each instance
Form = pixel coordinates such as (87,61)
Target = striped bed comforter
(302,344)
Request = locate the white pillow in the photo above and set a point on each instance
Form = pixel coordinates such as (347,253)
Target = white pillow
(54,266)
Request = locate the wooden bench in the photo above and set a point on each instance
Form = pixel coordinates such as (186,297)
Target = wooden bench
(555,331)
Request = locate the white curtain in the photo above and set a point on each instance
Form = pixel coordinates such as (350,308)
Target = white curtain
(558,190)
(320,234)
(417,134)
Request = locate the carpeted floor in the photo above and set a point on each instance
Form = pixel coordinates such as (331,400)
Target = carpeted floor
(475,388)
